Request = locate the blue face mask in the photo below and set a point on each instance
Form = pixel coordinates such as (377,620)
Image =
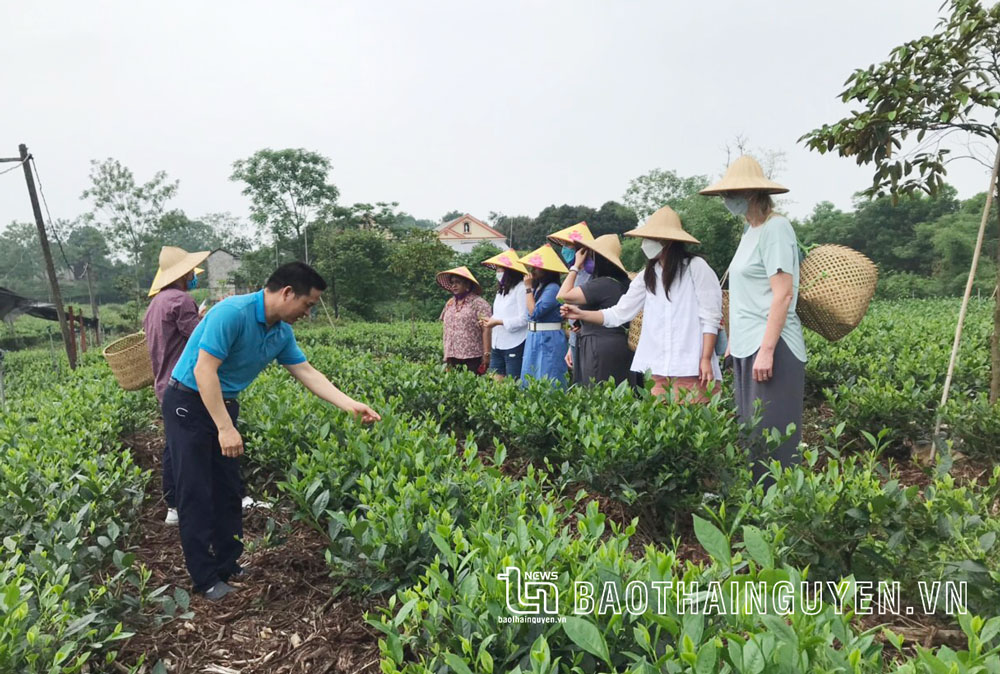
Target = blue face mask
(568,254)
(588,265)
(737,205)
(193,283)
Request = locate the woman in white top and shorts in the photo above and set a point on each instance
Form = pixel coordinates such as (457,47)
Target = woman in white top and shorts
(510,315)
(681,301)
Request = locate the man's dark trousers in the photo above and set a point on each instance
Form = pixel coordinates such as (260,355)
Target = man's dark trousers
(207,488)
(168,476)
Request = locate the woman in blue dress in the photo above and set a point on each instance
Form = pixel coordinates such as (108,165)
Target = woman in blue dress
(546,345)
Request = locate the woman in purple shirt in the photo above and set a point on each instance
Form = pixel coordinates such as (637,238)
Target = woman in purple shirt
(170,319)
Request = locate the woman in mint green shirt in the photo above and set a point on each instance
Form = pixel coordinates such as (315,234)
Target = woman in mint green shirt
(765,334)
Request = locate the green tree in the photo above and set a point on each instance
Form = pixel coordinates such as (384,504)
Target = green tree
(706,219)
(651,191)
(515,227)
(414,263)
(929,88)
(354,262)
(21,267)
(127,212)
(287,188)
(451,215)
(87,246)
(612,218)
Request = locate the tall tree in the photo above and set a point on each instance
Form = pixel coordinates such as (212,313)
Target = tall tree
(612,218)
(287,188)
(657,188)
(933,87)
(20,257)
(354,262)
(705,219)
(414,262)
(126,211)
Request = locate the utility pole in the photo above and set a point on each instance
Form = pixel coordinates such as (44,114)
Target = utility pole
(47,254)
(93,302)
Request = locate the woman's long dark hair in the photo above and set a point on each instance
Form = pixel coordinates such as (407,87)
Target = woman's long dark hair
(543,277)
(509,281)
(605,267)
(672,257)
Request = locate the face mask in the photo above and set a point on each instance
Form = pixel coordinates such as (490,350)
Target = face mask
(588,265)
(568,254)
(736,205)
(500,276)
(651,248)
(193,283)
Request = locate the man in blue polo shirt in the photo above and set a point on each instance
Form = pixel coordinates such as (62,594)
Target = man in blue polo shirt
(237,339)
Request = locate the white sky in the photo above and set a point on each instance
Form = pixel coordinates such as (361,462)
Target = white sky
(477,106)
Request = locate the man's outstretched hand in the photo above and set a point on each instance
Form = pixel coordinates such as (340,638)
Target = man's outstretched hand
(362,411)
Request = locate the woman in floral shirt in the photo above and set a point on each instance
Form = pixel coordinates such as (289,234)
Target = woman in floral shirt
(466,342)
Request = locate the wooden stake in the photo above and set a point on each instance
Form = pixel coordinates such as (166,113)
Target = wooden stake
(965,301)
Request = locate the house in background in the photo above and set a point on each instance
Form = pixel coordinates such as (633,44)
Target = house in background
(466,232)
(222,268)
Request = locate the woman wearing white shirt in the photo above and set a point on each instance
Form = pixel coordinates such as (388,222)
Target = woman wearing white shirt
(510,316)
(681,301)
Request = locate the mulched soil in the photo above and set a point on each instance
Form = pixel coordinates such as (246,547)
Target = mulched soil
(284,619)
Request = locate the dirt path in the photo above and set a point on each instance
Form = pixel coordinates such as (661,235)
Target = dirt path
(283,620)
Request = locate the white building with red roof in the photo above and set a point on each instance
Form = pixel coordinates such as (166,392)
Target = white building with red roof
(466,232)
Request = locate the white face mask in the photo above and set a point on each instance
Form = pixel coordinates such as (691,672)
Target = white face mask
(499,275)
(736,205)
(651,248)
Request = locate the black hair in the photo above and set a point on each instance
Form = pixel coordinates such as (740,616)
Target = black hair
(509,280)
(300,276)
(673,255)
(605,267)
(544,278)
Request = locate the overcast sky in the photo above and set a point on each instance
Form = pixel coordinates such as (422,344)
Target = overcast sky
(478,106)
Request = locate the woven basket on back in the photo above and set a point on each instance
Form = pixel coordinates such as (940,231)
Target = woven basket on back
(634,328)
(129,361)
(836,284)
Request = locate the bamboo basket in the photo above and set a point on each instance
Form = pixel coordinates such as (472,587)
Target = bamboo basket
(634,329)
(836,285)
(129,360)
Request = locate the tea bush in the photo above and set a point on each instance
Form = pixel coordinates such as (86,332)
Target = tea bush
(852,518)
(68,501)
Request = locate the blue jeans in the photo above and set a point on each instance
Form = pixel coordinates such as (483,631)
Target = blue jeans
(507,361)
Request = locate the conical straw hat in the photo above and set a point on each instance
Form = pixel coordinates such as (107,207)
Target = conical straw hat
(744,174)
(544,257)
(608,247)
(665,225)
(578,233)
(508,260)
(444,279)
(175,263)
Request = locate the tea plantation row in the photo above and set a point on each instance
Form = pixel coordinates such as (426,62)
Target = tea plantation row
(466,477)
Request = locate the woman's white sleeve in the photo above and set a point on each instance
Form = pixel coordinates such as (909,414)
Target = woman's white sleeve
(629,304)
(709,294)
(520,321)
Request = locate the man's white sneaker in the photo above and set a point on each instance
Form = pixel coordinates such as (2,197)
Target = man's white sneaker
(172,518)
